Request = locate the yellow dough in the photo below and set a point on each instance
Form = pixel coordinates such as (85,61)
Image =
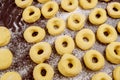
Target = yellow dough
(94,60)
(23,3)
(76,21)
(49,9)
(106,0)
(113,9)
(118,27)
(43,72)
(69,5)
(116,73)
(113,52)
(34,34)
(6,58)
(106,33)
(11,76)
(69,65)
(43,1)
(4,39)
(101,76)
(98,16)
(85,39)
(55,26)
(40,52)
(85,4)
(31,14)
(64,45)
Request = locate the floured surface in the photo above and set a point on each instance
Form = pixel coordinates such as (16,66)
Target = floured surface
(10,16)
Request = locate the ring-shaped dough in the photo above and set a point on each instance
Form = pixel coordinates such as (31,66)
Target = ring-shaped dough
(6,58)
(23,3)
(43,71)
(40,52)
(101,76)
(118,27)
(98,16)
(64,45)
(11,76)
(76,21)
(106,0)
(69,65)
(113,52)
(113,9)
(43,1)
(94,60)
(85,39)
(31,14)
(116,73)
(55,26)
(49,9)
(34,34)
(4,39)
(69,5)
(85,4)
(106,33)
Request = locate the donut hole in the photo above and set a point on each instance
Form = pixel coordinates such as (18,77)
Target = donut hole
(103,79)
(115,9)
(23,0)
(76,21)
(98,15)
(106,33)
(70,65)
(56,26)
(94,60)
(43,72)
(50,9)
(65,44)
(89,1)
(117,50)
(70,3)
(85,39)
(34,34)
(31,13)
(40,52)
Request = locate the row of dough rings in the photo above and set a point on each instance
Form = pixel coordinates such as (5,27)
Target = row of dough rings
(88,4)
(113,52)
(31,14)
(43,71)
(23,3)
(94,60)
(49,9)
(34,34)
(69,5)
(11,76)
(116,73)
(43,1)
(85,37)
(56,26)
(76,21)
(106,33)
(101,76)
(98,16)
(113,9)
(40,52)
(69,65)
(118,27)
(64,45)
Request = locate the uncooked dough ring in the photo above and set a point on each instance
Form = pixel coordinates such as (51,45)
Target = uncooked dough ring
(64,45)
(82,35)
(40,52)
(94,60)
(118,27)
(106,33)
(69,5)
(98,16)
(69,65)
(116,73)
(49,9)
(43,1)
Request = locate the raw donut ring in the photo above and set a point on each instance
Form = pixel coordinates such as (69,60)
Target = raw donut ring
(49,9)
(40,52)
(116,73)
(69,65)
(101,76)
(113,52)
(43,1)
(113,9)
(4,39)
(106,33)
(94,60)
(64,45)
(31,14)
(11,76)
(43,72)
(85,37)
(98,16)
(106,0)
(76,21)
(34,34)
(69,5)
(55,26)
(118,27)
(88,4)
(23,3)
